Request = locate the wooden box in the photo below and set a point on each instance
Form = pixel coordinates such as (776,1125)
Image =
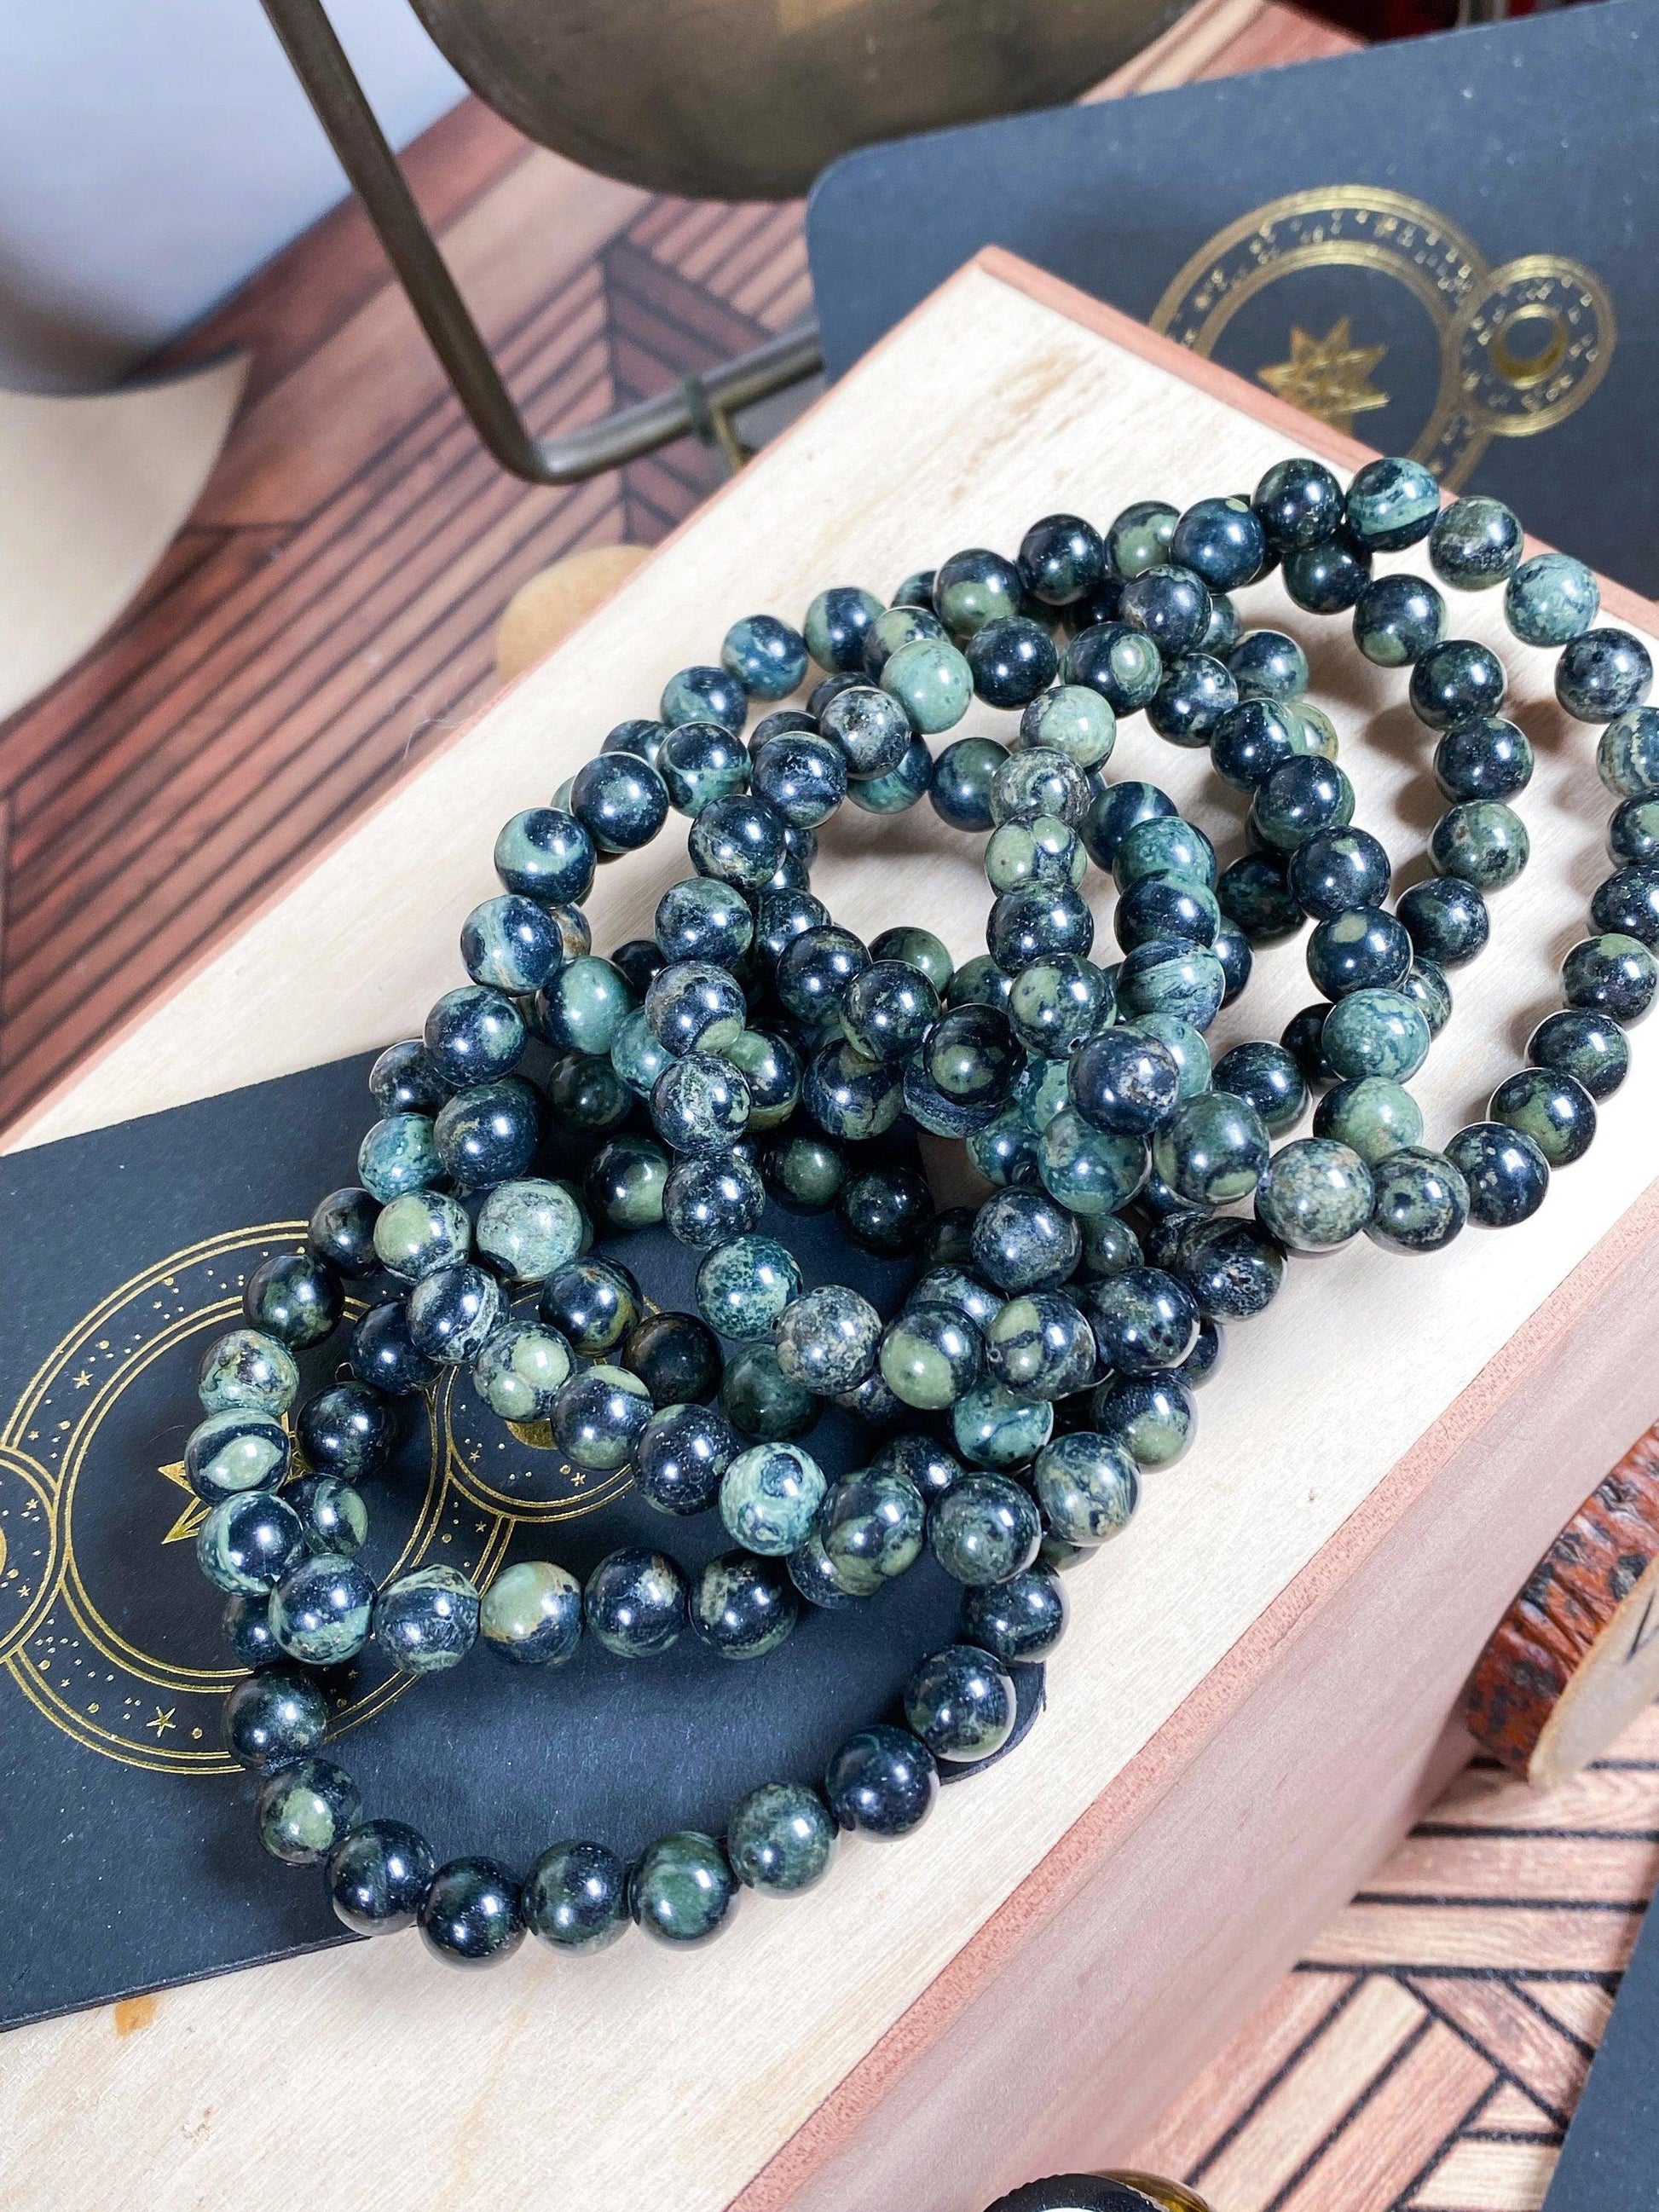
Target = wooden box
(1254,1697)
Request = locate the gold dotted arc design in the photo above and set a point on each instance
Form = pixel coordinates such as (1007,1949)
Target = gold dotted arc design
(84,1671)
(1522,347)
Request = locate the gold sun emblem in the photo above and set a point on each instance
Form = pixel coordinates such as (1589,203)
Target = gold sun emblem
(1328,377)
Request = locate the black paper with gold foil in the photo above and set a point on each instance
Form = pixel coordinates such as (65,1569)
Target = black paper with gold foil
(126,1839)
(1443,247)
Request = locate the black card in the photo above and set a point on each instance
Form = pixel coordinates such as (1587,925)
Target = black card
(1610,2161)
(127,1837)
(1444,247)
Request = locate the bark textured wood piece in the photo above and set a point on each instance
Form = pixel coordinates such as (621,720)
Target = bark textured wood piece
(1577,1656)
(1252,1704)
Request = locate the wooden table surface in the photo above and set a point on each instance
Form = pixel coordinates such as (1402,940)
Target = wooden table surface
(327,613)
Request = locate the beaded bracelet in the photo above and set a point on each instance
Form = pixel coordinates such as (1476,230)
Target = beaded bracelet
(1122,1112)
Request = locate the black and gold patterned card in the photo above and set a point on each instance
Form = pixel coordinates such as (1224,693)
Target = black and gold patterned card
(1444,247)
(127,1837)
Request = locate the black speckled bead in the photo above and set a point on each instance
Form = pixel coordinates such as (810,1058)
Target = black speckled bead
(1013,660)
(1253,738)
(682,1890)
(635,1603)
(1397,619)
(426,1621)
(472,1913)
(620,800)
(1590,1046)
(1474,543)
(1421,1201)
(1054,1004)
(1223,542)
(512,943)
(1298,503)
(1269,1077)
(488,1134)
(1165,906)
(403,1080)
(1316,1195)
(743,1607)
(1022,1619)
(1036,781)
(1551,599)
(870,728)
(1328,578)
(681,1457)
(384,1354)
(1554,1110)
(575,1897)
(1061,558)
(1482,842)
(1302,1037)
(1602,675)
(247,1629)
(885,1209)
(1361,950)
(703,694)
(238,1448)
(1162,845)
(1613,975)
(296,1297)
(1196,693)
(1336,870)
(707,1201)
(702,919)
(828,1339)
(473,1034)
(637,736)
(816,968)
(342,1230)
(960,1702)
(378,1875)
(780,1839)
(676,1355)
(1265,664)
(1150,1416)
(1023,1241)
(899,627)
(1301,798)
(888,1010)
(962,775)
(700,1104)
(1633,835)
(1144,1321)
(625,1182)
(1507,1176)
(1392,504)
(1446,920)
(1230,1270)
(882,1783)
(273,1719)
(1253,893)
(347,1431)
(1486,757)
(694,1007)
(1455,680)
(1087,1486)
(1039,922)
(802,775)
(1120,663)
(303,1810)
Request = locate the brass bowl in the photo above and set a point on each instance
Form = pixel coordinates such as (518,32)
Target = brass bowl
(749,98)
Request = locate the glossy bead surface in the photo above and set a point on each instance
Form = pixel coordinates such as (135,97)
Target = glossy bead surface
(1551,599)
(1213,1151)
(975,587)
(780,1839)
(247,1630)
(593,1303)
(682,1889)
(760,1400)
(676,1355)
(1054,1004)
(531,1614)
(332,1514)
(341,1230)
(1375,1033)
(1072,720)
(383,1353)
(575,1897)
(1021,1619)
(932,682)
(1252,739)
(320,1611)
(1172,976)
(302,1811)
(1627,903)
(743,1287)
(1421,1201)
(1474,543)
(987,1528)
(681,1457)
(765,655)
(1392,503)
(1316,1193)
(295,1296)
(1336,870)
(1612,975)
(378,1875)
(961,789)
(1121,664)
(452,1310)
(1040,1346)
(742,1606)
(620,800)
(530,1229)
(836,625)
(248,1542)
(1481,841)
(274,1718)
(1446,920)
(931,1356)
(545,854)
(1486,757)
(1455,680)
(238,1450)
(600,1416)
(1362,949)
(1169,605)
(1023,1241)
(426,1620)
(882,1783)
(709,1200)
(1265,664)
(1553,1110)
(872,1528)
(1507,1176)
(1087,1486)
(740,840)
(1150,1416)
(1011,660)
(769,1497)
(1602,675)
(960,1702)
(635,1603)
(1628,753)
(1269,1079)
(1591,1047)
(1397,619)
(1255,894)
(472,1914)
(1328,578)
(1372,1116)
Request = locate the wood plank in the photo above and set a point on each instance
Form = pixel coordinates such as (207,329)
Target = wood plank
(1604,1799)
(1601,1870)
(1597,1939)
(1488,2177)
(1510,2112)
(1371,2160)
(1581,2007)
(1549,2064)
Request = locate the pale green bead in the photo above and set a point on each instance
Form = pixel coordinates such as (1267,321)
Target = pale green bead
(531,1229)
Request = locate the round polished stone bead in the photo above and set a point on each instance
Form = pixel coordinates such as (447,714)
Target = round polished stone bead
(1109,1245)
(816,970)
(700,1104)
(1328,577)
(236,1450)
(780,1839)
(1628,753)
(871,1528)
(1011,660)
(531,1614)
(303,1810)
(975,587)
(1168,605)
(1040,1346)
(1267,1077)
(888,1009)
(1431,993)
(765,656)
(472,1913)
(1455,680)
(1481,841)
(882,1783)
(1421,1201)
(1140,538)
(1301,1039)
(960,1702)
(681,1457)
(1376,1032)
(901,625)
(1360,949)
(1036,783)
(1602,675)
(1039,921)
(1612,975)
(1474,543)
(827,1338)
(249,1541)
(378,1876)
(592,1302)
(1265,664)
(1397,619)
(703,694)
(587,1094)
(512,943)
(769,1497)
(1371,1116)
(870,727)
(1336,870)
(1117,809)
(1226,626)
(488,1133)
(1507,1176)
(1446,920)
(1061,558)
(1213,1150)
(620,800)
(802,775)
(320,1611)
(952,1285)
(1045,850)
(712,1200)
(1150,1416)
(1486,757)
(1315,1195)
(474,1035)
(1122,665)
(1298,503)
(1072,721)
(1223,542)
(341,1230)
(1165,907)
(1023,1241)
(901,788)
(426,1620)
(1551,599)
(1143,1320)
(961,789)
(584,1006)
(695,1006)
(804,1172)
(625,1182)
(1090,1172)
(829,687)
(971,1055)
(836,624)
(1087,1486)
(332,1514)
(383,1353)
(1006,1150)
(452,1310)
(1158,848)
(545,854)
(932,682)
(1230,1270)
(575,1897)
(1250,740)
(1392,504)
(743,1287)
(420,1231)
(1054,1004)
(635,1603)
(1627,903)
(1254,895)
(1189,703)
(274,1718)
(743,1607)
(701,919)
(296,1297)
(1587,1046)
(530,1229)
(675,1355)
(600,1416)
(637,735)
(1301,800)
(1022,1619)
(987,1529)
(682,1888)
(771,1069)
(739,840)
(1170,976)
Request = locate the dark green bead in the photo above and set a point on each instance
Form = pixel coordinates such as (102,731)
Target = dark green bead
(1213,1151)
(1392,504)
(1633,832)
(742,1606)
(1109,1246)
(333,1514)
(1169,605)
(1362,949)
(682,1889)
(1255,737)
(625,1182)
(1044,851)
(1140,538)
(1229,1269)
(1253,893)
(512,943)
(620,800)
(1166,908)
(472,1914)
(780,1839)
(961,790)
(1430,992)
(1040,1346)
(1087,1486)
(1054,1004)
(1265,664)
(587,1094)
(804,1172)
(870,728)
(383,1352)
(399,1154)
(1298,503)
(769,1497)
(248,1542)
(1628,753)
(837,623)
(635,1603)
(1602,675)
(1269,1079)
(1036,785)
(1022,1619)
(1591,1047)
(1397,619)
(1507,1176)
(743,1287)
(901,625)
(712,1200)
(319,1612)
(593,1303)
(1612,975)
(274,1718)
(1315,1195)
(701,919)
(882,1783)
(960,1702)
(1551,599)
(1455,680)
(681,1457)
(889,1009)
(378,1876)
(426,1620)
(296,1297)
(1328,578)
(949,1286)
(1023,1241)
(1301,798)
(1371,1116)
(531,1614)
(760,1400)
(828,1339)
(1150,1416)
(1375,1033)
(1446,919)
(1482,842)
(303,1810)
(676,1355)
(871,1528)
(931,1357)
(1486,757)
(1013,660)
(1090,1173)
(1121,664)
(975,587)
(1627,903)
(765,656)
(1421,1201)
(531,1229)
(1223,542)
(885,1209)
(576,1897)
(1554,1110)
(740,840)
(1475,543)
(1072,721)
(987,1528)
(1060,557)
(546,855)
(699,1104)
(1161,847)
(474,1035)
(1170,976)
(702,696)
(918,949)
(1143,1321)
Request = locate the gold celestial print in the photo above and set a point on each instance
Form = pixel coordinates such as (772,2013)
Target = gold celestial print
(1516,349)
(184,1529)
(1329,377)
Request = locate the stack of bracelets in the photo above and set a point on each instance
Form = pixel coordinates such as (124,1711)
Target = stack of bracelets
(1048,1348)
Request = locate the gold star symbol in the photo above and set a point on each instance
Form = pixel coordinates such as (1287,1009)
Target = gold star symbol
(162,1722)
(183,1530)
(1328,377)
(84,1381)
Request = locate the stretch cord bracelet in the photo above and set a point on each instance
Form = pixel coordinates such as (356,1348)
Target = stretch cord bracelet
(987,1331)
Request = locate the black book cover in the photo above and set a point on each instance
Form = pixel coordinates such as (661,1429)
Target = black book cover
(1443,247)
(127,1837)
